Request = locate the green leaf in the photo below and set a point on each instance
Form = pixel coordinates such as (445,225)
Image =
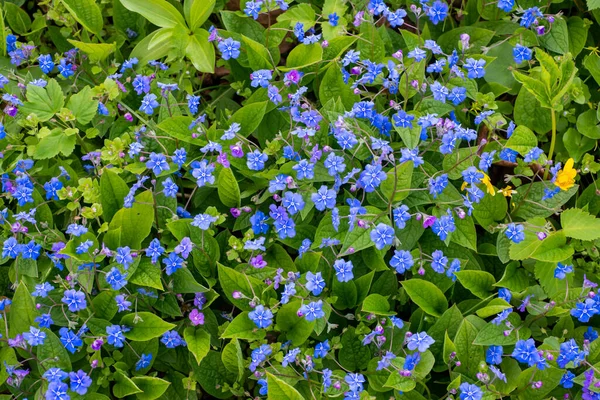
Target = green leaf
(17,18)
(198,11)
(201,52)
(491,209)
(198,342)
(124,386)
(587,124)
(455,163)
(83,106)
(377,304)
(522,140)
(593,4)
(178,128)
(469,354)
(232,358)
(96,51)
(297,329)
(104,304)
(302,13)
(151,387)
(184,282)
(53,353)
(144,52)
(448,323)
(130,226)
(8,355)
(426,295)
(399,382)
(56,142)
(465,234)
(212,375)
(552,249)
(493,308)
(87,13)
(159,12)
(353,355)
(576,144)
(480,37)
(249,117)
(529,197)
(258,55)
(529,112)
(578,33)
(279,390)
(480,283)
(397,185)
(22,311)
(333,87)
(228,188)
(557,38)
(550,376)
(231,281)
(113,190)
(579,224)
(492,334)
(303,56)
(44,102)
(147,274)
(145,326)
(242,327)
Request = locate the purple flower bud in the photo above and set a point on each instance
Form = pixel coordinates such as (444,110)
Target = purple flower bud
(550,19)
(541,235)
(237,295)
(350,250)
(247,209)
(362,224)
(458,363)
(337,385)
(541,29)
(236,151)
(128,117)
(94,364)
(277,197)
(11,111)
(355,70)
(414,83)
(429,221)
(421,271)
(398,55)
(506,333)
(235,212)
(97,344)
(325,44)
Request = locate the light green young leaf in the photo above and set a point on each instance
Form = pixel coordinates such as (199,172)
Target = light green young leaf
(145,326)
(426,295)
(279,390)
(96,51)
(44,102)
(579,224)
(83,106)
(159,12)
(87,13)
(197,12)
(201,52)
(198,342)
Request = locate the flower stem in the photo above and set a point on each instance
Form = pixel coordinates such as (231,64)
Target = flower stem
(553,141)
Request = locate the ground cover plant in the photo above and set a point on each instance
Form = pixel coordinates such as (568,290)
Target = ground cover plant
(299,199)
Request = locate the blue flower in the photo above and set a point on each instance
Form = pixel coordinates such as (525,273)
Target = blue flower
(35,336)
(493,355)
(170,188)
(293,202)
(444,225)
(253,8)
(315,283)
(261,77)
(324,198)
(355,381)
(402,261)
(75,300)
(590,335)
(69,339)
(396,18)
(203,172)
(533,154)
(505,294)
(437,185)
(141,84)
(143,362)
(521,53)
(128,64)
(46,63)
(583,311)
(411,361)
(304,170)
(154,250)
(256,160)
(470,392)
(80,382)
(261,316)
(529,16)
(57,391)
(55,375)
(343,270)
(123,256)
(321,349)
(561,270)
(382,235)
(23,194)
(312,311)
(506,5)
(472,176)
(115,279)
(457,95)
(115,336)
(334,164)
(401,216)
(333,19)
(567,380)
(526,352)
(30,250)
(371,177)
(158,163)
(515,232)
(437,12)
(475,68)
(172,339)
(44,320)
(229,48)
(439,261)
(264,388)
(417,54)
(149,103)
(65,68)
(172,263)
(122,303)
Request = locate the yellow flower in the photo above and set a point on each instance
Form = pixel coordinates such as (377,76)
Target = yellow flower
(565,178)
(490,188)
(507,191)
(464,186)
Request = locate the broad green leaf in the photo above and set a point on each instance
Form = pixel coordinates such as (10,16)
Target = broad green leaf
(87,13)
(83,106)
(212,374)
(550,377)
(8,355)
(426,295)
(44,102)
(160,12)
(493,308)
(233,359)
(198,11)
(58,141)
(144,53)
(529,196)
(297,329)
(178,128)
(396,187)
(333,87)
(198,342)
(515,278)
(53,353)
(552,249)
(113,190)
(399,382)
(96,51)
(17,18)
(279,390)
(579,224)
(147,274)
(258,55)
(303,56)
(201,52)
(578,33)
(592,64)
(529,112)
(130,226)
(490,210)
(151,387)
(231,281)
(145,326)
(587,124)
(242,327)
(104,304)
(455,163)
(124,386)
(377,304)
(522,140)
(593,4)
(576,144)
(557,38)
(228,188)
(184,282)
(469,354)
(448,323)
(302,13)
(353,355)
(480,37)
(480,283)
(465,234)
(249,117)
(492,334)
(22,311)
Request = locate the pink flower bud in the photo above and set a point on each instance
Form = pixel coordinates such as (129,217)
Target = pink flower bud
(236,295)
(128,117)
